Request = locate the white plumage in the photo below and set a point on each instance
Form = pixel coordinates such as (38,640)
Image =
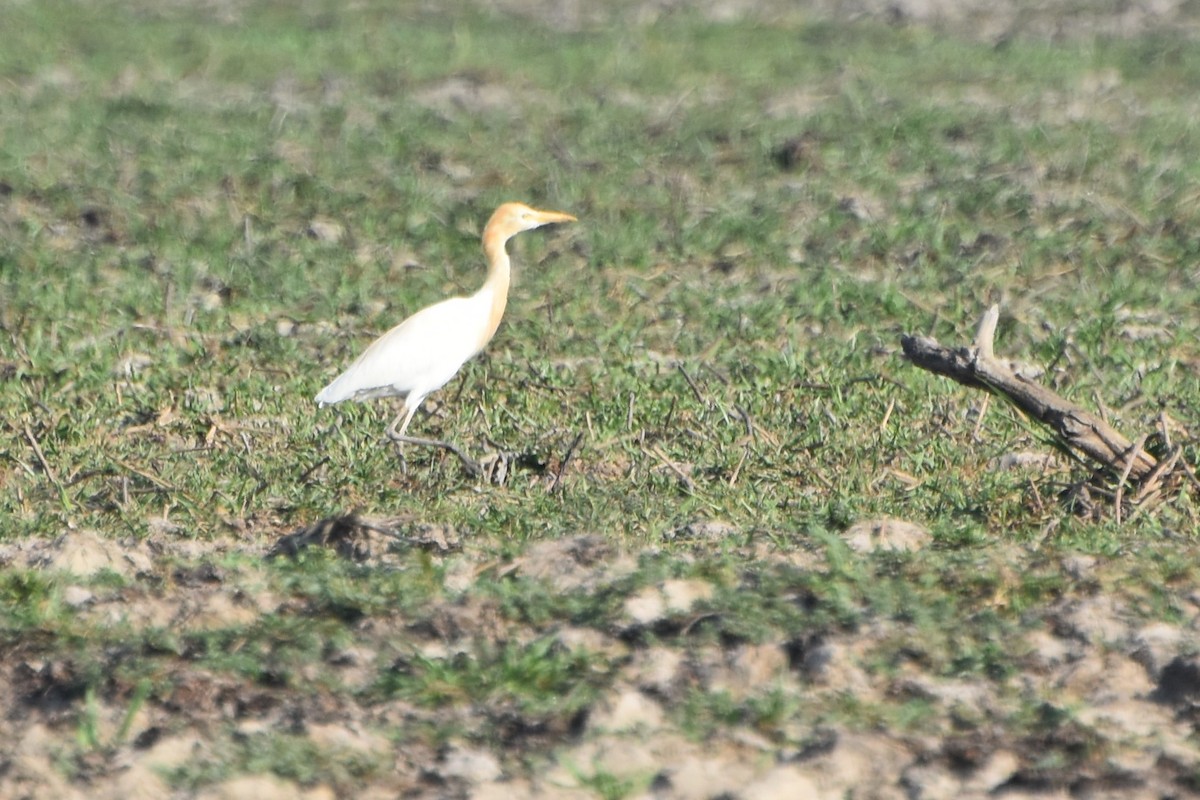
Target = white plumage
(422,353)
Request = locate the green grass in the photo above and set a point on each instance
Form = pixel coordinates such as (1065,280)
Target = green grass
(167,319)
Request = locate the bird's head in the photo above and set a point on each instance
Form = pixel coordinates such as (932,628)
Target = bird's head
(512,218)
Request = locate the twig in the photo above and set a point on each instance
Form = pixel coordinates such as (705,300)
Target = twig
(157,481)
(1154,480)
(738,469)
(1037,496)
(41,457)
(746,420)
(981,416)
(304,475)
(695,389)
(688,483)
(1190,473)
(1120,494)
(887,414)
(566,460)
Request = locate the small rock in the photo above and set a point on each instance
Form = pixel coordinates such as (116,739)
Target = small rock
(1079,567)
(131,365)
(831,664)
(931,782)
(646,607)
(999,767)
(861,760)
(460,575)
(1155,645)
(139,782)
(253,787)
(83,553)
(32,768)
(703,530)
(1101,678)
(1024,461)
(172,752)
(590,640)
(681,595)
(886,533)
(1047,651)
(1094,620)
(655,669)
(326,230)
(950,693)
(709,775)
(760,665)
(470,765)
(567,564)
(347,738)
(1136,333)
(77,596)
(516,790)
(782,783)
(1123,718)
(630,710)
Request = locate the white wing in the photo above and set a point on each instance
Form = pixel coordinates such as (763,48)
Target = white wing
(418,356)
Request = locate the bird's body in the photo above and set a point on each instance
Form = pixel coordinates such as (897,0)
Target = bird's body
(422,353)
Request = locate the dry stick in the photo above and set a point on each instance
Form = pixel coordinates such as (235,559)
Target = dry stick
(304,475)
(982,415)
(887,415)
(1166,432)
(688,483)
(1120,494)
(150,476)
(566,461)
(738,469)
(1154,480)
(746,420)
(695,389)
(41,457)
(978,368)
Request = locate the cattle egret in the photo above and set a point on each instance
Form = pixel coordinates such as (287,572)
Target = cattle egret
(422,353)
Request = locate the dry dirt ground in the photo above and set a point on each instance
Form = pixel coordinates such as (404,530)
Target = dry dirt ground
(1132,690)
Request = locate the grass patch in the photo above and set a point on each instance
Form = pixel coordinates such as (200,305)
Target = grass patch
(764,208)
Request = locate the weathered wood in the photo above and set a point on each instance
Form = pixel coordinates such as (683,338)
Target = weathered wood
(978,367)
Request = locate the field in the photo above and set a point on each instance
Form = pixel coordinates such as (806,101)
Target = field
(730,543)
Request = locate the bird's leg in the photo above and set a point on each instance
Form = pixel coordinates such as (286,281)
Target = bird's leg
(398,436)
(391,433)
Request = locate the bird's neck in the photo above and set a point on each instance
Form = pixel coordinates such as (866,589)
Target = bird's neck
(495,288)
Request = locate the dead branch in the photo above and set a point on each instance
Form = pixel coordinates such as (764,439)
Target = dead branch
(977,366)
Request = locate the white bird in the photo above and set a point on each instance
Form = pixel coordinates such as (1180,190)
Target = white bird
(422,353)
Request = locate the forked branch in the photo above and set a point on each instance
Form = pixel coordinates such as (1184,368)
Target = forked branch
(1080,429)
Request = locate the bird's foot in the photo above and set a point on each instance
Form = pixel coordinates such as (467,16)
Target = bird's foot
(469,464)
